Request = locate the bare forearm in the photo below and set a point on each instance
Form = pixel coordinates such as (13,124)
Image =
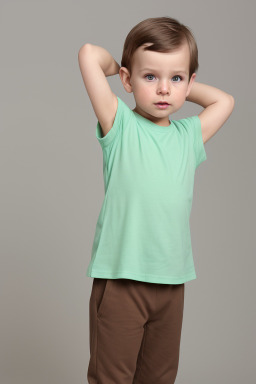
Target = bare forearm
(206,95)
(107,63)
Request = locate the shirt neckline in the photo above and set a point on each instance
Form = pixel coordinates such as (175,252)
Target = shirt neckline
(152,125)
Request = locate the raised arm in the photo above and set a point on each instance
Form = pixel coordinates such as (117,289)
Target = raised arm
(96,63)
(218,107)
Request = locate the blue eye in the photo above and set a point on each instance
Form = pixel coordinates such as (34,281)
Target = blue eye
(149,75)
(177,76)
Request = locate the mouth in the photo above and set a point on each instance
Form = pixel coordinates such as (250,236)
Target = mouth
(162,105)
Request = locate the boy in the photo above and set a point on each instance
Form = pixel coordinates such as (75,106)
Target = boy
(142,255)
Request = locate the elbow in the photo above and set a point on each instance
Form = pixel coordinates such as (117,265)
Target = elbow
(230,98)
(230,104)
(229,101)
(232,101)
(84,47)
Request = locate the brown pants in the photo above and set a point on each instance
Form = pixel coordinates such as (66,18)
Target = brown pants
(135,332)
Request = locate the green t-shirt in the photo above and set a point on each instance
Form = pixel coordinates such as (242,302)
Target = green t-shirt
(143,229)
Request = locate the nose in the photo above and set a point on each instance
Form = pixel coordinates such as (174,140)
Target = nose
(163,87)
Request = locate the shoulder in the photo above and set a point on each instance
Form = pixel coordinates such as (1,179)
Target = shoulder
(122,117)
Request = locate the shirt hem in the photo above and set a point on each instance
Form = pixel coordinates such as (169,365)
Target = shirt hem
(144,278)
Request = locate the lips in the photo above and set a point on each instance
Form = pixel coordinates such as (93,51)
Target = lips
(162,103)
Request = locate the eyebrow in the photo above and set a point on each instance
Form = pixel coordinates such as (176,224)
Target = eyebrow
(155,70)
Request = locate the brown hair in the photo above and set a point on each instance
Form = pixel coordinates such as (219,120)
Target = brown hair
(165,34)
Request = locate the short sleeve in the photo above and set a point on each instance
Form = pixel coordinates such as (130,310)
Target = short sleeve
(121,115)
(200,154)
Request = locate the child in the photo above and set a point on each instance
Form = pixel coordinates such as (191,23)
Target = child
(142,254)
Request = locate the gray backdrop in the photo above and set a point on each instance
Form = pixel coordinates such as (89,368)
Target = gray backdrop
(52,189)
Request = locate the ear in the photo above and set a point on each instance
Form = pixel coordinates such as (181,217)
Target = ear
(192,79)
(125,78)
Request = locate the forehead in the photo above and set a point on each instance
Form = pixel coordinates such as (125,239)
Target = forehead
(177,59)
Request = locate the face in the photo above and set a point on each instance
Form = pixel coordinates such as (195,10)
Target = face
(156,77)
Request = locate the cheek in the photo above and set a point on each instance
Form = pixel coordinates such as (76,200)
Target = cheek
(181,93)
(142,91)
(139,87)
